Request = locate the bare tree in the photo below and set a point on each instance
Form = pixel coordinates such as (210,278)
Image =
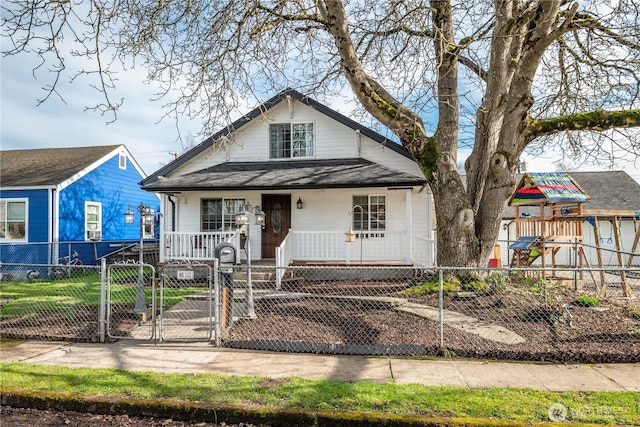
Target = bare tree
(499,76)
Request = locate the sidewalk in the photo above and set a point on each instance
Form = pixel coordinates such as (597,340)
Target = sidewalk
(204,358)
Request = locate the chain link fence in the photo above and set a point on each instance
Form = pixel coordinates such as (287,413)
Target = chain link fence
(518,314)
(561,314)
(50,302)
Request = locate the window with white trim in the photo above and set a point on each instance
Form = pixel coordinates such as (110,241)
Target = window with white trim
(370,219)
(93,220)
(13,219)
(291,140)
(219,214)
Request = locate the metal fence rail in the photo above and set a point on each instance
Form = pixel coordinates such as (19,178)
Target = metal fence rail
(520,314)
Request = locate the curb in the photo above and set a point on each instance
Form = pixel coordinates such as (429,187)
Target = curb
(212,413)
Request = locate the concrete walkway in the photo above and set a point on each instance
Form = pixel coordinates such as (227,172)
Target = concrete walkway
(204,358)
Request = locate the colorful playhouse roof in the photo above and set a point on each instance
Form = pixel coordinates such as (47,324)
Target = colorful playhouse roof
(543,188)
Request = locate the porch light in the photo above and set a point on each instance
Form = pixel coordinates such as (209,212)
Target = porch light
(260,217)
(129,216)
(299,203)
(242,218)
(148,215)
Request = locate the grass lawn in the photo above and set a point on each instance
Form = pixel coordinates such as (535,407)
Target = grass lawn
(298,393)
(21,298)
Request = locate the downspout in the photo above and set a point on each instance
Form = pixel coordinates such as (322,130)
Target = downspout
(50,225)
(358,143)
(163,238)
(173,211)
(55,217)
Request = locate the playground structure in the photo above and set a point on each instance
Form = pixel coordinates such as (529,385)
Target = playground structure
(554,219)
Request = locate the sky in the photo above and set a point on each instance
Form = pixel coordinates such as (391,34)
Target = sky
(152,142)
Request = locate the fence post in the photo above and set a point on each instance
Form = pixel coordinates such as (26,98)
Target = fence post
(441,307)
(102,310)
(217,302)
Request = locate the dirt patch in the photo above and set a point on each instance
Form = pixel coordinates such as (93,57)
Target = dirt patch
(77,324)
(554,327)
(28,417)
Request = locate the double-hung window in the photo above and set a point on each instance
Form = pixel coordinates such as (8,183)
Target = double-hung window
(219,214)
(93,220)
(13,219)
(370,215)
(290,140)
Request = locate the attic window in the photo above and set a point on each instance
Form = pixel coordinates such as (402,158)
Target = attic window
(291,140)
(122,161)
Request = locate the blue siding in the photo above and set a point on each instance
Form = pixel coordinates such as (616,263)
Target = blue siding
(113,187)
(37,231)
(116,189)
(38,211)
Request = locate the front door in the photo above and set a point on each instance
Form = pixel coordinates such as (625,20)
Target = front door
(277,209)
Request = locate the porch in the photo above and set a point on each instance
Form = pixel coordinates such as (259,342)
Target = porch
(308,247)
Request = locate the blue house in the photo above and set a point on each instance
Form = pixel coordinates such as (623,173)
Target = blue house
(57,201)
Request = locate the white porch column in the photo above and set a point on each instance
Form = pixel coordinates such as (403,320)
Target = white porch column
(409,220)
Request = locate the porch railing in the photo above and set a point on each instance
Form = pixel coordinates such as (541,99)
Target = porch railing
(423,251)
(389,246)
(197,246)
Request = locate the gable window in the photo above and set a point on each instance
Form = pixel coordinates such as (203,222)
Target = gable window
(219,214)
(93,220)
(290,140)
(13,219)
(372,218)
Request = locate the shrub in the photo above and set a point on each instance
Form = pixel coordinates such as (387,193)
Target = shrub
(430,287)
(473,286)
(497,281)
(586,301)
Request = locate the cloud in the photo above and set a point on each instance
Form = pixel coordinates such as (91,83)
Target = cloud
(56,124)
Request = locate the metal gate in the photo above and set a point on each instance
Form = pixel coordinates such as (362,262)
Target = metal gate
(187,302)
(131,301)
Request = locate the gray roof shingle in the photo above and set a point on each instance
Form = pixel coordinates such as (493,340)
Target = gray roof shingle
(304,174)
(46,166)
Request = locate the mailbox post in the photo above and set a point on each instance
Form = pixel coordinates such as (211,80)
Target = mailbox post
(226,255)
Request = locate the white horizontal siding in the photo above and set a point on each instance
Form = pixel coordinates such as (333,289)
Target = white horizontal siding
(333,140)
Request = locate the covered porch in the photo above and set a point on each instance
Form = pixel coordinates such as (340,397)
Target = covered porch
(307,247)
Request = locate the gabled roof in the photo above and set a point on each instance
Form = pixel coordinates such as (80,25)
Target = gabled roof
(301,174)
(543,188)
(47,166)
(261,109)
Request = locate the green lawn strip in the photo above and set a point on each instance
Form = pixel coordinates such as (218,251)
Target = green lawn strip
(294,393)
(25,297)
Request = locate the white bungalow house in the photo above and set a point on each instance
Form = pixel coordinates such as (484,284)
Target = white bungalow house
(314,173)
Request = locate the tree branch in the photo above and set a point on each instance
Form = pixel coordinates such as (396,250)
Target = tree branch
(590,121)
